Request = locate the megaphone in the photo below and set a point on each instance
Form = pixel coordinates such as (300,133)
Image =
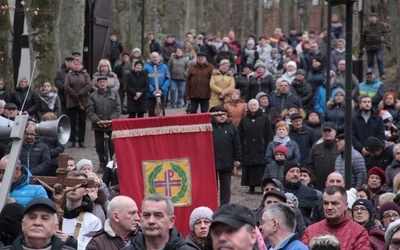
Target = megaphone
(59,129)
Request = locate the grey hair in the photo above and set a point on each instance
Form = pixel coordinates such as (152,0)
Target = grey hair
(283,213)
(336,189)
(326,241)
(158,198)
(255,101)
(395,148)
(7,157)
(2,102)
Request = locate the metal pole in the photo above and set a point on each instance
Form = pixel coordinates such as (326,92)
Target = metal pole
(17,134)
(260,17)
(348,90)
(328,51)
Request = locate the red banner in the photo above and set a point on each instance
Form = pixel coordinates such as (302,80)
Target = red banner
(170,155)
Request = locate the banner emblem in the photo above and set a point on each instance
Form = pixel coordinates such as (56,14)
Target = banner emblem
(171,177)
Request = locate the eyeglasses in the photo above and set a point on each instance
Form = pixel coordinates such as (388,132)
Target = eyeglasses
(362,209)
(220,114)
(30,134)
(388,216)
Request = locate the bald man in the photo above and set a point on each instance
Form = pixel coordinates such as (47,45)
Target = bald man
(333,179)
(121,227)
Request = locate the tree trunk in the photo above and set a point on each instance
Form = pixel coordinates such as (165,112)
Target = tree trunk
(135,24)
(394,10)
(43,39)
(6,41)
(72,21)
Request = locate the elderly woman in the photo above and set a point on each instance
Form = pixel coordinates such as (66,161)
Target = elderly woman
(282,138)
(77,87)
(104,69)
(290,73)
(393,169)
(262,81)
(221,83)
(199,223)
(362,213)
(255,133)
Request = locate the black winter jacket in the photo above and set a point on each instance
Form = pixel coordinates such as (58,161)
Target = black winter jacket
(227,148)
(361,130)
(175,242)
(304,91)
(305,138)
(56,244)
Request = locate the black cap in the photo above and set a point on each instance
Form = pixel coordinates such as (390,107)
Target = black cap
(277,194)
(301,72)
(340,137)
(101,78)
(295,116)
(201,54)
(10,105)
(218,109)
(328,126)
(289,165)
(69,58)
(76,53)
(373,143)
(233,215)
(276,182)
(41,201)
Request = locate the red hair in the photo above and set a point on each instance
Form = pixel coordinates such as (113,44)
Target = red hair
(387,94)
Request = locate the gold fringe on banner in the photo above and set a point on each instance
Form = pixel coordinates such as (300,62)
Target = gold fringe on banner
(161,130)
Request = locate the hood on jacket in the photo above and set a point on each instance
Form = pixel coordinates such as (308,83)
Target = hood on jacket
(217,72)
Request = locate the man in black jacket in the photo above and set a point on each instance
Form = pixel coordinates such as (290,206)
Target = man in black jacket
(59,82)
(227,151)
(158,230)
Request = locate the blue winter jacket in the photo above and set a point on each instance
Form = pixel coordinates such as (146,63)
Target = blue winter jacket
(25,192)
(320,96)
(164,78)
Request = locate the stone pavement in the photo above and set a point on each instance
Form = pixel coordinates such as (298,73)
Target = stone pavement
(90,152)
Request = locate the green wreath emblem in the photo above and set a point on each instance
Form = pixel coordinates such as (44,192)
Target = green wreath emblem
(181,174)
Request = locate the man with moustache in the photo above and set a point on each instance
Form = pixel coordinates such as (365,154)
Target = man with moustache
(350,234)
(121,227)
(366,122)
(323,155)
(292,184)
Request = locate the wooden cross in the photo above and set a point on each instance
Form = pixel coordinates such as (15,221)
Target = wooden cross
(57,185)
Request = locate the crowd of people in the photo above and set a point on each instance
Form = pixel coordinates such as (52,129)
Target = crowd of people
(277,124)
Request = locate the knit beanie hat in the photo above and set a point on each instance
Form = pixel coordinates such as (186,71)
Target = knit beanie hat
(291,63)
(84,162)
(386,116)
(289,165)
(388,206)
(366,203)
(259,64)
(234,91)
(373,143)
(340,91)
(293,198)
(250,42)
(379,172)
(136,50)
(281,149)
(199,213)
(392,229)
(11,218)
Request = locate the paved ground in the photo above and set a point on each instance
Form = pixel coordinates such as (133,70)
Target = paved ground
(238,192)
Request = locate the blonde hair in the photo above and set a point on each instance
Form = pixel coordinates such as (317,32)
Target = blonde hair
(78,60)
(282,124)
(383,198)
(53,88)
(49,116)
(104,62)
(22,79)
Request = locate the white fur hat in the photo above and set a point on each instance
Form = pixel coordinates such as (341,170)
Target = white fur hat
(200,213)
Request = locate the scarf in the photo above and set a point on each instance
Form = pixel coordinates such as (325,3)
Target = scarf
(340,50)
(19,181)
(259,75)
(283,141)
(86,206)
(196,240)
(290,74)
(49,98)
(250,55)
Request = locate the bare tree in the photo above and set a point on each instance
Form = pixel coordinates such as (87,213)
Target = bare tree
(6,41)
(42,18)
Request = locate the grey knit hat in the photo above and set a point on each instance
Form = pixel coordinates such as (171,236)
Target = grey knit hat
(200,213)
(84,162)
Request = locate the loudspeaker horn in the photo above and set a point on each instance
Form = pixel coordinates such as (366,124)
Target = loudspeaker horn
(5,127)
(60,129)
